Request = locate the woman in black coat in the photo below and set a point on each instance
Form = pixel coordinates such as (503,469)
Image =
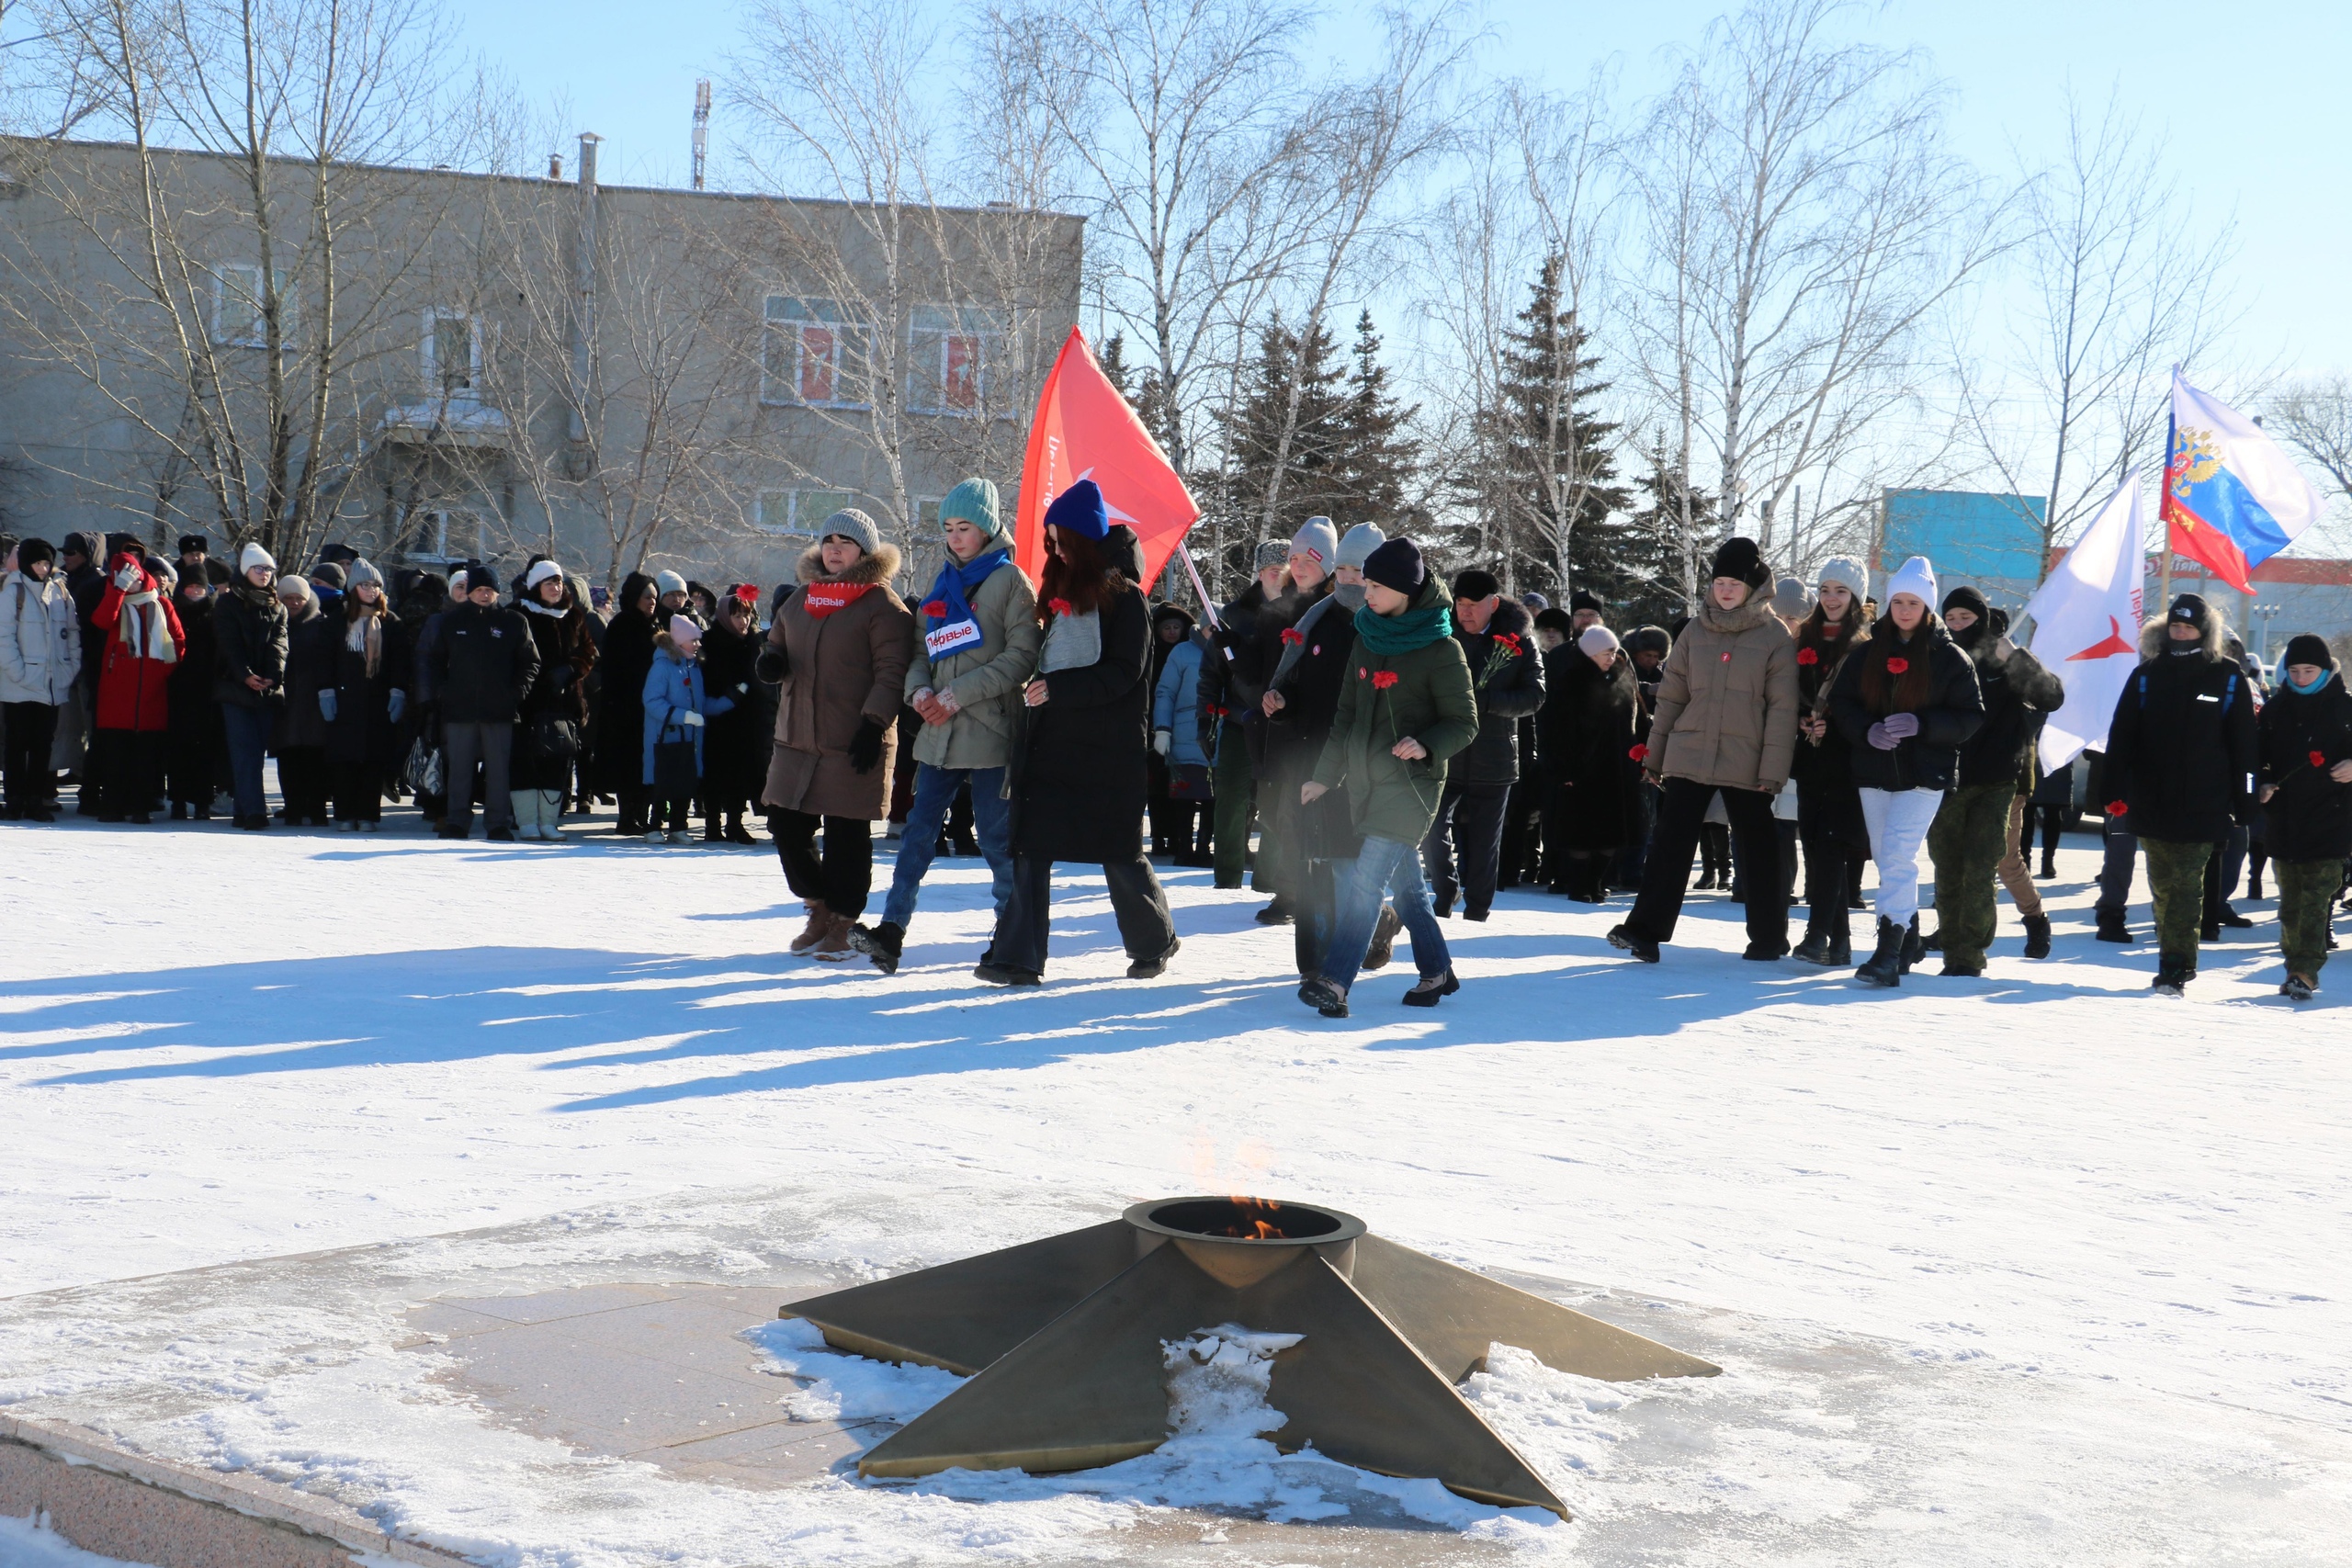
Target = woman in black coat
(192,749)
(2305,788)
(310,639)
(552,716)
(374,663)
(620,716)
(1585,733)
(1080,778)
(735,743)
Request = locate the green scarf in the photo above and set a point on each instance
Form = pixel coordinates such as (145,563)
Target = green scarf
(1417,627)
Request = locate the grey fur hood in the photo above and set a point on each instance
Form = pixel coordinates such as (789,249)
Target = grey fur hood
(878,566)
(2152,636)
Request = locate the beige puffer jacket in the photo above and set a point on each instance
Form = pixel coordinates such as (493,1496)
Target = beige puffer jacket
(1728,701)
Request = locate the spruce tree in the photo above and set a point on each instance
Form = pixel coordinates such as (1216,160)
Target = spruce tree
(1376,458)
(1546,455)
(1649,545)
(1253,429)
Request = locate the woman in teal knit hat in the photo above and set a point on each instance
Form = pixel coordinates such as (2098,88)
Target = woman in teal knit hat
(975,648)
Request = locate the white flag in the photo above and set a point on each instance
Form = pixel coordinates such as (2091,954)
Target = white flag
(2086,625)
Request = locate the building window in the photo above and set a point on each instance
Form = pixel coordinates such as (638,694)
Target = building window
(239,319)
(450,353)
(811,355)
(797,513)
(446,534)
(951,353)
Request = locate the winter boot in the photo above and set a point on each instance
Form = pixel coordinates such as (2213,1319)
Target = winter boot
(881,943)
(1931,942)
(833,947)
(713,832)
(2110,925)
(737,833)
(2049,868)
(526,803)
(2232,918)
(2172,976)
(552,815)
(1623,939)
(1275,914)
(2297,989)
(1152,968)
(1914,948)
(1324,997)
(1884,965)
(1813,948)
(1430,987)
(2037,936)
(820,920)
(1383,939)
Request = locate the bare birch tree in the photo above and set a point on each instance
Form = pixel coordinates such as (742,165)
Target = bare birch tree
(1813,224)
(1355,143)
(2118,281)
(210,303)
(898,330)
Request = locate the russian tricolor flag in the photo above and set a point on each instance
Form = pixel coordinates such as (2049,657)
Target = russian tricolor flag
(2232,498)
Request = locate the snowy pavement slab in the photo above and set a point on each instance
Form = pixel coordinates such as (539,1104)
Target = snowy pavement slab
(2030,1270)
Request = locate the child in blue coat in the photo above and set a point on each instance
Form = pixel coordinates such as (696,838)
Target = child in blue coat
(677,704)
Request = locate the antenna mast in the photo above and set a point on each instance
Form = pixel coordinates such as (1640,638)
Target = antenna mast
(702,129)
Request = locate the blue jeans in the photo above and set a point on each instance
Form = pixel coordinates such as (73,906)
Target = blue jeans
(927,817)
(248,733)
(1384,869)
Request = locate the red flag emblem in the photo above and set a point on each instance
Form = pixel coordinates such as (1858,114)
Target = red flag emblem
(1085,430)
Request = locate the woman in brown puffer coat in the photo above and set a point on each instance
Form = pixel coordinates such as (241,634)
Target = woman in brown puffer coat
(840,648)
(1727,723)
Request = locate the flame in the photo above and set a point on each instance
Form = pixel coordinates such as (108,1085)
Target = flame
(1254,1229)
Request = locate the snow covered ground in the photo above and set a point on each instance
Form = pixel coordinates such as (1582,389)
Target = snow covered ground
(2033,1269)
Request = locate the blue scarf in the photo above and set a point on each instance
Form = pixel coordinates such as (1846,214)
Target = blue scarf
(2325,676)
(948,606)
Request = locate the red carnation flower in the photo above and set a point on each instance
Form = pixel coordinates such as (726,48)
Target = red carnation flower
(1808,656)
(2116,807)
(1640,753)
(1508,641)
(1384,679)
(2319,759)
(1897,666)
(936,607)
(1059,606)
(1292,636)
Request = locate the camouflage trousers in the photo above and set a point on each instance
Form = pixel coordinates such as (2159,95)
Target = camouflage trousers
(2177,881)
(2307,890)
(1967,844)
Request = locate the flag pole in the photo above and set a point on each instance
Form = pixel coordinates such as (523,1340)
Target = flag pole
(2164,491)
(1208,606)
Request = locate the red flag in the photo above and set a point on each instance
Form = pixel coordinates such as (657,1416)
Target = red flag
(1085,430)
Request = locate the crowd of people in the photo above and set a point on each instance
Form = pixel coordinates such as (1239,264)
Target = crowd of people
(1377,748)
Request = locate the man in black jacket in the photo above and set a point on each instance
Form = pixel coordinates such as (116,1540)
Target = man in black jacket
(2181,752)
(1230,691)
(1976,827)
(1506,672)
(483,664)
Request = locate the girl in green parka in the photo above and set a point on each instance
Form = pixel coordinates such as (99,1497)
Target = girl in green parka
(1406,709)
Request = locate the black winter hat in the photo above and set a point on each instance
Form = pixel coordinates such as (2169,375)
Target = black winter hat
(1649,639)
(2303,647)
(2187,607)
(31,550)
(195,543)
(1738,557)
(480,577)
(1582,599)
(1555,619)
(1396,564)
(1475,583)
(329,573)
(1967,598)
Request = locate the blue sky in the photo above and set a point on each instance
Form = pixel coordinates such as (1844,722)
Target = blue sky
(2257,119)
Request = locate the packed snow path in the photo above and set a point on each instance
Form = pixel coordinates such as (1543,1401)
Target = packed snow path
(220,1045)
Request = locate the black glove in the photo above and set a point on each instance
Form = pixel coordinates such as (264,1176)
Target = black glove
(865,747)
(773,664)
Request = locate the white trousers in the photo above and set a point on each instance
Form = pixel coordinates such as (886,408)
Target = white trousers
(1898,821)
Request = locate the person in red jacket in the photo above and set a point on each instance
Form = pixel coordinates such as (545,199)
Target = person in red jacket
(143,642)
